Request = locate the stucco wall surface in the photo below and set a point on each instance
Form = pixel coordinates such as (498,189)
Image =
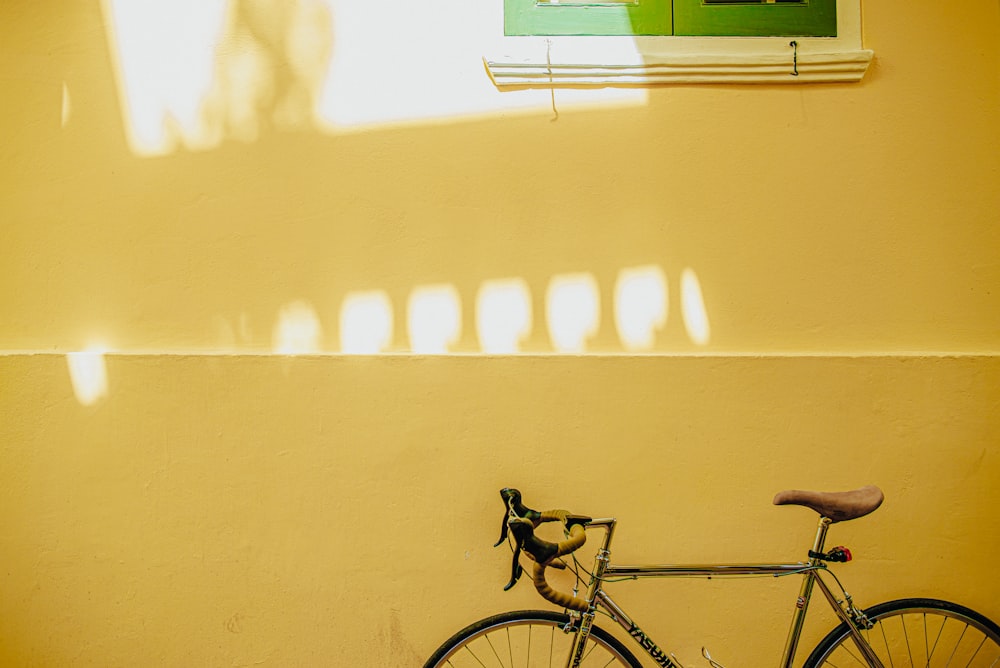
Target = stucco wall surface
(341,511)
(177,488)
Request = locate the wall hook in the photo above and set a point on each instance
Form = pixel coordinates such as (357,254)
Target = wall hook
(795,58)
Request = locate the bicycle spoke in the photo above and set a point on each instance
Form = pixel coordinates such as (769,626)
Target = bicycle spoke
(956,646)
(937,639)
(888,652)
(492,647)
(927,649)
(476,657)
(850,652)
(906,637)
(976,653)
(587,655)
(527,656)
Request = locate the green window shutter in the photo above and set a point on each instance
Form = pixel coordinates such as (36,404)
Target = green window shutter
(575,17)
(749,18)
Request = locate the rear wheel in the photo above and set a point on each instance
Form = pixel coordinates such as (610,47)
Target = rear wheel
(916,632)
(527,639)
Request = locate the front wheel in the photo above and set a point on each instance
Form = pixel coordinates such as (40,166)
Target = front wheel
(916,632)
(529,639)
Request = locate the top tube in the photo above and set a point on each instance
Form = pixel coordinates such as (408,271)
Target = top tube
(705,570)
(688,570)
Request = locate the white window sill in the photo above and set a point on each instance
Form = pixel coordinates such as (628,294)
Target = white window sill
(839,66)
(546,62)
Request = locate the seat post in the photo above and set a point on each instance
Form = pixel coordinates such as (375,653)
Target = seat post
(821,529)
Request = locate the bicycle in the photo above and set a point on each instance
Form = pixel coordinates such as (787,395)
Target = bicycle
(903,632)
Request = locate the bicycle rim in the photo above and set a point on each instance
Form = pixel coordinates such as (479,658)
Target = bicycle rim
(916,632)
(527,639)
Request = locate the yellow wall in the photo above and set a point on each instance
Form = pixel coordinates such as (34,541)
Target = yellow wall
(219,506)
(227,510)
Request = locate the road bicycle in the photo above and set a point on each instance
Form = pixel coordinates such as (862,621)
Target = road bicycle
(905,632)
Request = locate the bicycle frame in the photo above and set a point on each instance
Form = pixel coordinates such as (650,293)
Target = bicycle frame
(597,597)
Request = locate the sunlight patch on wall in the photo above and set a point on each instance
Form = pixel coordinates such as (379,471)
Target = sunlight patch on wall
(366,323)
(164,54)
(573,311)
(693,308)
(503,315)
(67,107)
(640,306)
(89,375)
(401,62)
(195,73)
(298,330)
(434,319)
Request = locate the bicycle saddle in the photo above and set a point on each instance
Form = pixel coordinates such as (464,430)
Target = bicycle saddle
(837,506)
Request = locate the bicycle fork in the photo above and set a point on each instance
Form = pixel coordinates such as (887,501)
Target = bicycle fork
(580,639)
(587,618)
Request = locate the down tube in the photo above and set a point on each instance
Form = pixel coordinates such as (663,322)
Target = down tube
(658,655)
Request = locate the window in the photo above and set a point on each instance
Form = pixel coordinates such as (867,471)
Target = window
(553,43)
(745,18)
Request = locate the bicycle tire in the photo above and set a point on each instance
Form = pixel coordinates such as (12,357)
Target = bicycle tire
(915,632)
(533,637)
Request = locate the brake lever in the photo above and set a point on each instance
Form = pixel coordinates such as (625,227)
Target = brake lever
(515,569)
(503,530)
(512,499)
(516,511)
(523,532)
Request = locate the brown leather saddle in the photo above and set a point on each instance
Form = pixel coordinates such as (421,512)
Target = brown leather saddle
(837,506)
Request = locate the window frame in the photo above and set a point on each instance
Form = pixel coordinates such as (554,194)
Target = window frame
(637,60)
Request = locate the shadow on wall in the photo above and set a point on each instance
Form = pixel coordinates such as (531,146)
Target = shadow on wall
(199,79)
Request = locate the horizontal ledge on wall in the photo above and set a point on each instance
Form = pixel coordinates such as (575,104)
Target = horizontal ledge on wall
(745,68)
(902,355)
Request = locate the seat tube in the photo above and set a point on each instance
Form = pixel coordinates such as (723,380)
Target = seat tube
(805,593)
